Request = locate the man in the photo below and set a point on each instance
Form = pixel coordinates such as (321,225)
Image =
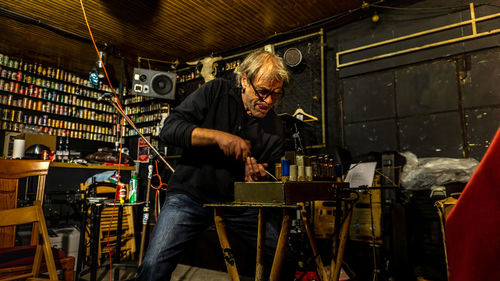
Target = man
(229,133)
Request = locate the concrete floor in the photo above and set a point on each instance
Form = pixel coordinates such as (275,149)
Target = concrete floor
(181,273)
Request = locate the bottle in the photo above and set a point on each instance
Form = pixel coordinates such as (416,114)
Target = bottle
(59,150)
(65,153)
(122,192)
(132,192)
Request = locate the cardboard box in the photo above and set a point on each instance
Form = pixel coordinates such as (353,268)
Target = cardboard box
(66,239)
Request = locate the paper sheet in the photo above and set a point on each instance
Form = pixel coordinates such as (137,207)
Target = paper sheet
(361,174)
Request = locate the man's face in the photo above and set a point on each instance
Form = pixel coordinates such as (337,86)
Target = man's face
(260,95)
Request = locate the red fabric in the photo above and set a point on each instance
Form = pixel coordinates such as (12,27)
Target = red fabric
(473,226)
(23,255)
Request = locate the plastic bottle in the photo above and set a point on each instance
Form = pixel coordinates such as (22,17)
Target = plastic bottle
(132,192)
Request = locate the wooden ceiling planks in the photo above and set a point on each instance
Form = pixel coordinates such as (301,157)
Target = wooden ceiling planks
(159,29)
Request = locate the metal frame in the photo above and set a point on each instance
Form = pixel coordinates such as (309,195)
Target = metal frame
(474,35)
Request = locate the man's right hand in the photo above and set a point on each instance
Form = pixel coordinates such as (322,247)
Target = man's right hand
(230,144)
(233,145)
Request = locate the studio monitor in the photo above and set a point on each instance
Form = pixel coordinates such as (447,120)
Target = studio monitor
(153,83)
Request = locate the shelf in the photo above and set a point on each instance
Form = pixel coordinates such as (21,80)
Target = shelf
(13,126)
(53,101)
(136,100)
(59,124)
(51,73)
(91,166)
(12,86)
(84,115)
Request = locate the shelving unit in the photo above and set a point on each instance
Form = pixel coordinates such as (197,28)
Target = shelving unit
(53,101)
(145,112)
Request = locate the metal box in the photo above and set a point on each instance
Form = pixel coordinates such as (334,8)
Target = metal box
(287,192)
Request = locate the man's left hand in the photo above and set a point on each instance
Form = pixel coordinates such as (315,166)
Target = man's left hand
(254,171)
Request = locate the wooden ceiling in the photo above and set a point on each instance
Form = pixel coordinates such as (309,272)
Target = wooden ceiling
(55,32)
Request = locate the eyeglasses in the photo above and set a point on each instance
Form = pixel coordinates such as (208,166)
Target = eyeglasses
(263,94)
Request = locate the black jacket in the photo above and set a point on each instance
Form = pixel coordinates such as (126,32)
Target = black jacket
(205,173)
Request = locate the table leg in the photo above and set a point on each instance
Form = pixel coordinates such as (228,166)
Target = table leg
(314,248)
(226,248)
(279,255)
(259,268)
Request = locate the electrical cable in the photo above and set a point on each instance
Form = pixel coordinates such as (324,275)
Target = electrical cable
(116,101)
(158,189)
(29,20)
(119,107)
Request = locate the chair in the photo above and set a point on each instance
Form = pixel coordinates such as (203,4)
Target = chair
(99,218)
(109,222)
(32,214)
(11,172)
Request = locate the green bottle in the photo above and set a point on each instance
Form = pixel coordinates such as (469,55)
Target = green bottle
(132,193)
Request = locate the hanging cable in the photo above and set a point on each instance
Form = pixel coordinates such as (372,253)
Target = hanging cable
(161,186)
(115,99)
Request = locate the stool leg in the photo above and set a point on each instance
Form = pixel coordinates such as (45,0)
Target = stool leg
(259,268)
(335,268)
(279,255)
(226,248)
(94,245)
(314,248)
(81,245)
(118,241)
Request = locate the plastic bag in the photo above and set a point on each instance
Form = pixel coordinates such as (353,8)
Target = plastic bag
(422,173)
(106,154)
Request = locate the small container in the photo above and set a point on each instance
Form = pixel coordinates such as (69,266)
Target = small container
(309,173)
(338,172)
(285,169)
(121,192)
(293,173)
(300,173)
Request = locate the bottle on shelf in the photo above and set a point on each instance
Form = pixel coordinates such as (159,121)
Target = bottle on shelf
(66,150)
(59,151)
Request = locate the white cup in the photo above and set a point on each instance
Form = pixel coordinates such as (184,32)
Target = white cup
(18,151)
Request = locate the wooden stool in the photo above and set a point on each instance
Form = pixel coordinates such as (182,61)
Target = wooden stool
(282,240)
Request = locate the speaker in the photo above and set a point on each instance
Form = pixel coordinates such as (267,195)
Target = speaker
(153,83)
(292,57)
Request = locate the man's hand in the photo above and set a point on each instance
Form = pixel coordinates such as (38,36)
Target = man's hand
(232,145)
(254,171)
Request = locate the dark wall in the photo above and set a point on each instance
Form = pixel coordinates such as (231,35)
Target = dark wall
(439,101)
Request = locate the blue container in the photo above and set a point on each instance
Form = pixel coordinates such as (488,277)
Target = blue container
(285,168)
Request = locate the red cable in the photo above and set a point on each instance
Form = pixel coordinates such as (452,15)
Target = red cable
(120,108)
(158,188)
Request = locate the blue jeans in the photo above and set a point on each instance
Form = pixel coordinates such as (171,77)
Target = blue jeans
(183,219)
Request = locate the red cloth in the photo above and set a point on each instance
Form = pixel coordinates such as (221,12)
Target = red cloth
(473,226)
(23,255)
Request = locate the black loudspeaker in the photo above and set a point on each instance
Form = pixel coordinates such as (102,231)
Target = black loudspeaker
(153,83)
